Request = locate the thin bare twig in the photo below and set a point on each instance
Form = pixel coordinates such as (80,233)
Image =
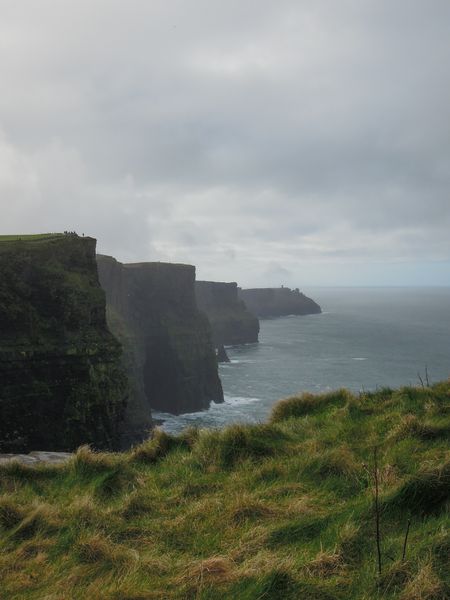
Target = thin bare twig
(421,380)
(377,508)
(406,539)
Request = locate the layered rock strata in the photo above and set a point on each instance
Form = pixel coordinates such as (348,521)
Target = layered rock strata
(61,379)
(168,348)
(231,321)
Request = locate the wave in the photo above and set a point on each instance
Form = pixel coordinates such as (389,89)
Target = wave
(228,400)
(238,400)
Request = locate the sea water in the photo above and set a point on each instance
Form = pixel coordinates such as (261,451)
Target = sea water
(365,338)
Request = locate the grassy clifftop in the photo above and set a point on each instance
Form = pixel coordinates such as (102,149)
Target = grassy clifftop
(283,510)
(33,237)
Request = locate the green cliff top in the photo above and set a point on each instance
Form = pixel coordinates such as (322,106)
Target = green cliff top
(283,510)
(37,237)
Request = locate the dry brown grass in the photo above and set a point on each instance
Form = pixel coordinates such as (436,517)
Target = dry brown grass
(339,461)
(97,549)
(411,426)
(85,460)
(40,517)
(136,504)
(214,569)
(426,585)
(388,476)
(325,564)
(153,449)
(395,576)
(10,512)
(250,543)
(265,561)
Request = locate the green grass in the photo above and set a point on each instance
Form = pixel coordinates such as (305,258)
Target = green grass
(282,510)
(30,237)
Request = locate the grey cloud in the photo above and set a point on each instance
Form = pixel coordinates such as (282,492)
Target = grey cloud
(234,135)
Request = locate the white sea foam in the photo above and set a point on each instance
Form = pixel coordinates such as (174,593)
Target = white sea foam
(236,400)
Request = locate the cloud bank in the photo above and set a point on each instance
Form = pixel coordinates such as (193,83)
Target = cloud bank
(292,142)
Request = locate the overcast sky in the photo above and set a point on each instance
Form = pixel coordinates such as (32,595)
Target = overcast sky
(269,142)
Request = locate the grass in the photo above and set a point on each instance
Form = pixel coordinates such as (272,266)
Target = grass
(282,510)
(37,237)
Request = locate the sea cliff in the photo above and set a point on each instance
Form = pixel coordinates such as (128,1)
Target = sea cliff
(168,348)
(231,322)
(277,302)
(62,383)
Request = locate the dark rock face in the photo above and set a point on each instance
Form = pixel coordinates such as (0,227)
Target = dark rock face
(231,321)
(61,379)
(222,355)
(277,302)
(170,357)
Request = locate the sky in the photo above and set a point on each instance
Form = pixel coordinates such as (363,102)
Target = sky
(267,142)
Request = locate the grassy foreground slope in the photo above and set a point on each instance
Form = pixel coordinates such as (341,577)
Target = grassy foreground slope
(276,511)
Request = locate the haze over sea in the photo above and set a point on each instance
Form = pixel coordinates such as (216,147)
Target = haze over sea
(365,338)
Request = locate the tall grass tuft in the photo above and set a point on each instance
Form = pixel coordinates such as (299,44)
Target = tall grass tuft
(10,512)
(156,448)
(235,444)
(425,493)
(306,403)
(411,426)
(87,462)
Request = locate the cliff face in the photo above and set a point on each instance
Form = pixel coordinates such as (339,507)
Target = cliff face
(231,322)
(277,302)
(61,381)
(171,360)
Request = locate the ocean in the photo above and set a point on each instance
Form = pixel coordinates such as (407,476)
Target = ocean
(365,338)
